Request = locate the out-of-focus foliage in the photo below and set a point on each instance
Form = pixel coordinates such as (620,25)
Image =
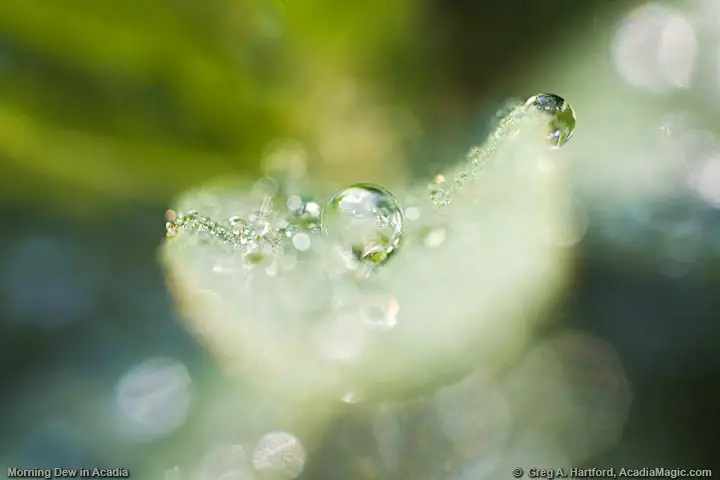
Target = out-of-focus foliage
(97,369)
(138,100)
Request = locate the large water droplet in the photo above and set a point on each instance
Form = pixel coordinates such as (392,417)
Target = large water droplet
(562,117)
(367,219)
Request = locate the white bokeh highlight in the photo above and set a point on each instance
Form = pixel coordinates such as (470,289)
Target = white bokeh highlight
(655,48)
(152,399)
(279,453)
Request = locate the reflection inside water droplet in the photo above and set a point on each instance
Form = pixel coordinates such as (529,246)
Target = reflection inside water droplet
(352,397)
(561,117)
(365,218)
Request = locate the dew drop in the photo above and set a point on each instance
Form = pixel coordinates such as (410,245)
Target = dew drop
(367,219)
(439,197)
(236,223)
(171,230)
(562,117)
(171,227)
(307,214)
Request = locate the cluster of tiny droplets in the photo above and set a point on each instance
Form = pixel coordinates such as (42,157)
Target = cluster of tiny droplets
(263,233)
(561,121)
(258,237)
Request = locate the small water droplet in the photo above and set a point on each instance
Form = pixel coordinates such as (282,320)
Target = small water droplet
(376,255)
(439,197)
(171,230)
(562,117)
(305,213)
(367,218)
(236,222)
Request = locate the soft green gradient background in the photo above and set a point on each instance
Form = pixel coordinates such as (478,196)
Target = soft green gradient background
(109,110)
(136,101)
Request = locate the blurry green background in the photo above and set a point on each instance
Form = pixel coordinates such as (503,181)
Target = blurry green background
(135,101)
(108,110)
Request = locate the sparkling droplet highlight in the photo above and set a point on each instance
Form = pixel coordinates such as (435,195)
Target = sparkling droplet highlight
(367,219)
(562,117)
